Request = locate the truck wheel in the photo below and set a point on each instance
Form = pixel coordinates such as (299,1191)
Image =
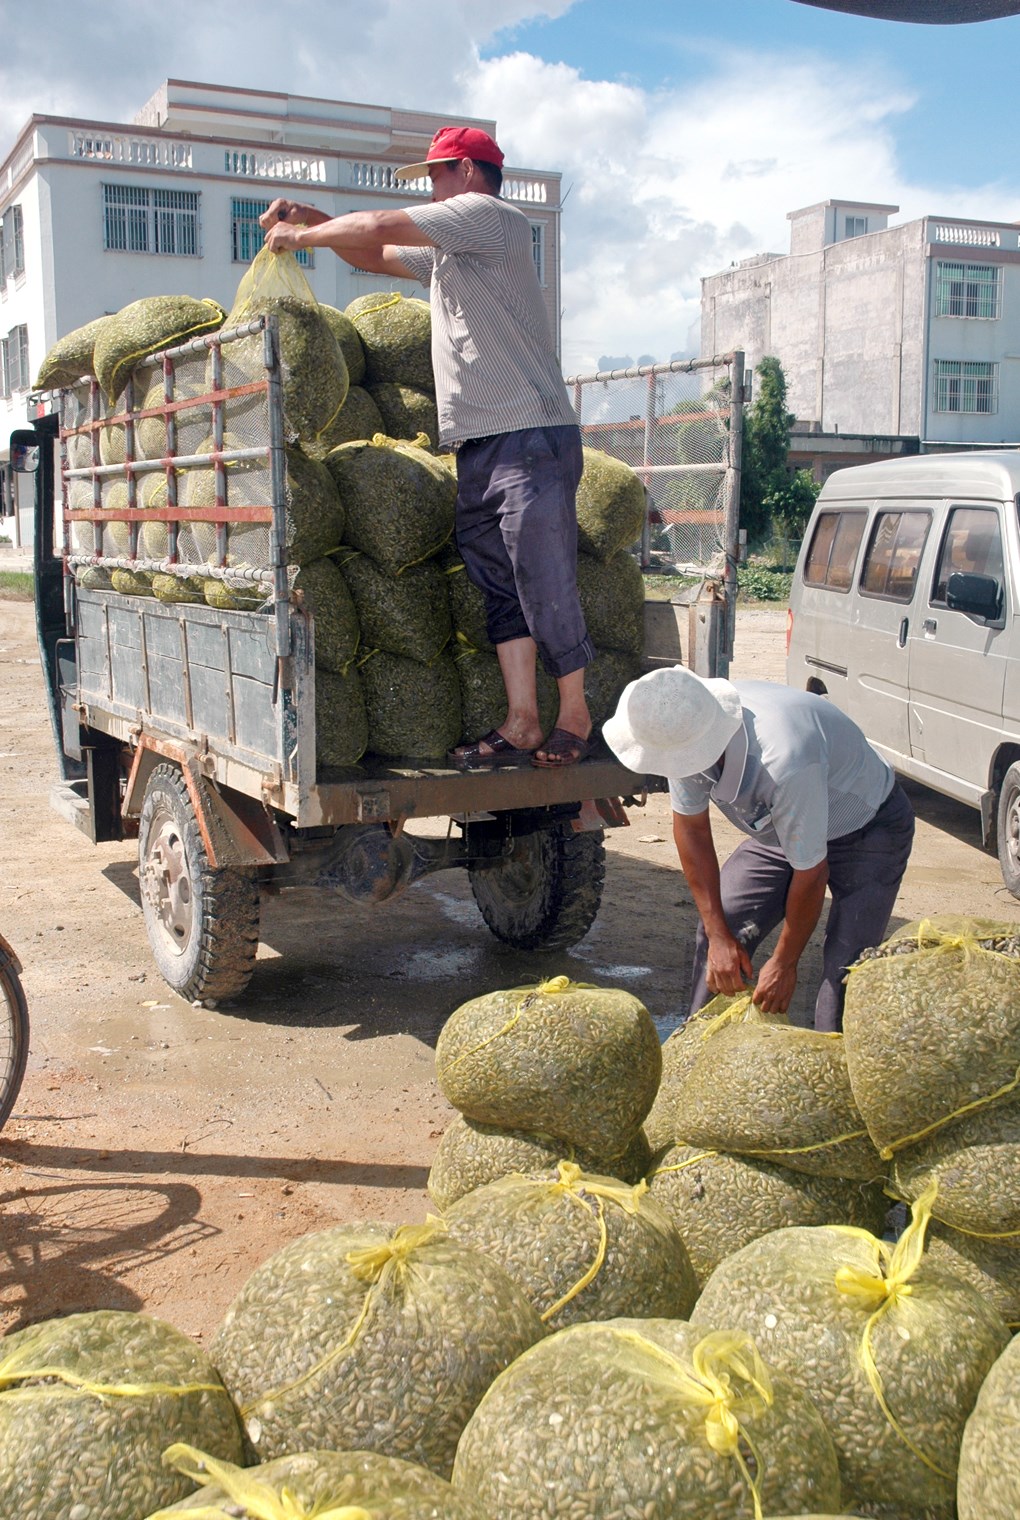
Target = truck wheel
(203,924)
(1007,832)
(545,895)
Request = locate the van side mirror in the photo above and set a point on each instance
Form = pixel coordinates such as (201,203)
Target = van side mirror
(976,595)
(24,451)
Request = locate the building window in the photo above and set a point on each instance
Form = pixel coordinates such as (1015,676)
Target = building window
(855,226)
(538,250)
(12,244)
(966,385)
(247,237)
(5,368)
(966,290)
(17,375)
(894,553)
(142,220)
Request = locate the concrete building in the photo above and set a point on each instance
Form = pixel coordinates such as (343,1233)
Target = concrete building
(892,339)
(97,214)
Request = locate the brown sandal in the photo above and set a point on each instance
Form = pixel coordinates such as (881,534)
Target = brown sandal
(500,752)
(568,748)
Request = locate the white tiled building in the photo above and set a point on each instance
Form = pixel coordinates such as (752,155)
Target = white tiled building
(97,214)
(907,331)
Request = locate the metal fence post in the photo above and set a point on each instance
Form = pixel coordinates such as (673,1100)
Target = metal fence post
(731,521)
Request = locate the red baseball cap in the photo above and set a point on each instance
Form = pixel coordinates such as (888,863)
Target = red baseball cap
(452,143)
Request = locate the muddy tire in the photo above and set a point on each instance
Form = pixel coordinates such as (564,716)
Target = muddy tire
(1007,828)
(546,894)
(203,924)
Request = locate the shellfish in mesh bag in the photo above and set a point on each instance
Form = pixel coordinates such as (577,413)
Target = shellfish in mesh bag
(405,411)
(316,1485)
(778,1093)
(610,506)
(402,614)
(566,1059)
(467,603)
(645,1417)
(976,1163)
(357,420)
(87,1406)
(990,1266)
(324,592)
(988,1485)
(483,694)
(470,1155)
(892,1348)
(613,601)
(178,588)
(396,334)
(132,582)
(582,1247)
(314,372)
(399,500)
(143,327)
(366,1337)
(932,1026)
(93,578)
(413,709)
(720,1202)
(341,723)
(679,1051)
(71,357)
(346,335)
(253,596)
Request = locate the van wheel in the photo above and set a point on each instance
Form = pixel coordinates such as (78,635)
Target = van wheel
(1007,830)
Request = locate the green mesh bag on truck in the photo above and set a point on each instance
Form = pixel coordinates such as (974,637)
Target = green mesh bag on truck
(366,1337)
(132,582)
(254,597)
(314,373)
(399,501)
(467,604)
(483,694)
(565,1059)
(604,680)
(396,334)
(413,709)
(976,1163)
(992,1267)
(778,1093)
(357,420)
(87,1406)
(679,1052)
(406,412)
(720,1202)
(581,1246)
(314,511)
(346,335)
(613,601)
(610,506)
(178,588)
(404,614)
(892,1350)
(341,722)
(144,327)
(988,1486)
(71,357)
(323,590)
(316,1485)
(645,1417)
(932,1026)
(470,1155)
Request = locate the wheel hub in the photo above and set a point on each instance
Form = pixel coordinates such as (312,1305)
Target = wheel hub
(1013,830)
(166,881)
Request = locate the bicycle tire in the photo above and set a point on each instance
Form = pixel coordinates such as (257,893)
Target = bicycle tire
(13,1032)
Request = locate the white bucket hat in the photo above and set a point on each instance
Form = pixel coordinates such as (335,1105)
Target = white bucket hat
(673,723)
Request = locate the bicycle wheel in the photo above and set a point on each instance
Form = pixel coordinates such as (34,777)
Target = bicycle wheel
(13,1030)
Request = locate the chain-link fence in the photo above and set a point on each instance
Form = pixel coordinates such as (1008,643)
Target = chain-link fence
(673,424)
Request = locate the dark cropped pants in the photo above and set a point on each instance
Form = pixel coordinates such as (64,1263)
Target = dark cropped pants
(517,534)
(865,871)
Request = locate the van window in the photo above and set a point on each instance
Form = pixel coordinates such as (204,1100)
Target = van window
(833,552)
(894,553)
(972,542)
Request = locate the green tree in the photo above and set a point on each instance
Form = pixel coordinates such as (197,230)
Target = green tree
(790,506)
(765,476)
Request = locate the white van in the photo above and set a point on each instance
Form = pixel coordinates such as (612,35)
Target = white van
(905,612)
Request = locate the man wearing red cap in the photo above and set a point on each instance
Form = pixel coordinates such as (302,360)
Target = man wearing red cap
(504,408)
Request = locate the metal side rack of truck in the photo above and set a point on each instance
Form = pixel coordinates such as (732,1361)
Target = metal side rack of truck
(194,727)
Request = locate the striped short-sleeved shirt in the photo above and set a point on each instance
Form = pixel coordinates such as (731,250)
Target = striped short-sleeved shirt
(492,352)
(797,773)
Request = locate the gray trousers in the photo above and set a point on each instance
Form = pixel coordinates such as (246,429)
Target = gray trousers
(865,871)
(517,535)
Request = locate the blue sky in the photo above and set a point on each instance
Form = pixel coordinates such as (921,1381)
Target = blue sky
(685,130)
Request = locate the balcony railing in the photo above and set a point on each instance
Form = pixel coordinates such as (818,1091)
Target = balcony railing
(124,148)
(966,236)
(250,163)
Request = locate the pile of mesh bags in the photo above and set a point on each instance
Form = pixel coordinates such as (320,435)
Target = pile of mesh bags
(892,1348)
(988,1482)
(87,1406)
(370,1337)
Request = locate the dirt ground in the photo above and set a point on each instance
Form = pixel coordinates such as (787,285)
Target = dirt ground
(160,1151)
